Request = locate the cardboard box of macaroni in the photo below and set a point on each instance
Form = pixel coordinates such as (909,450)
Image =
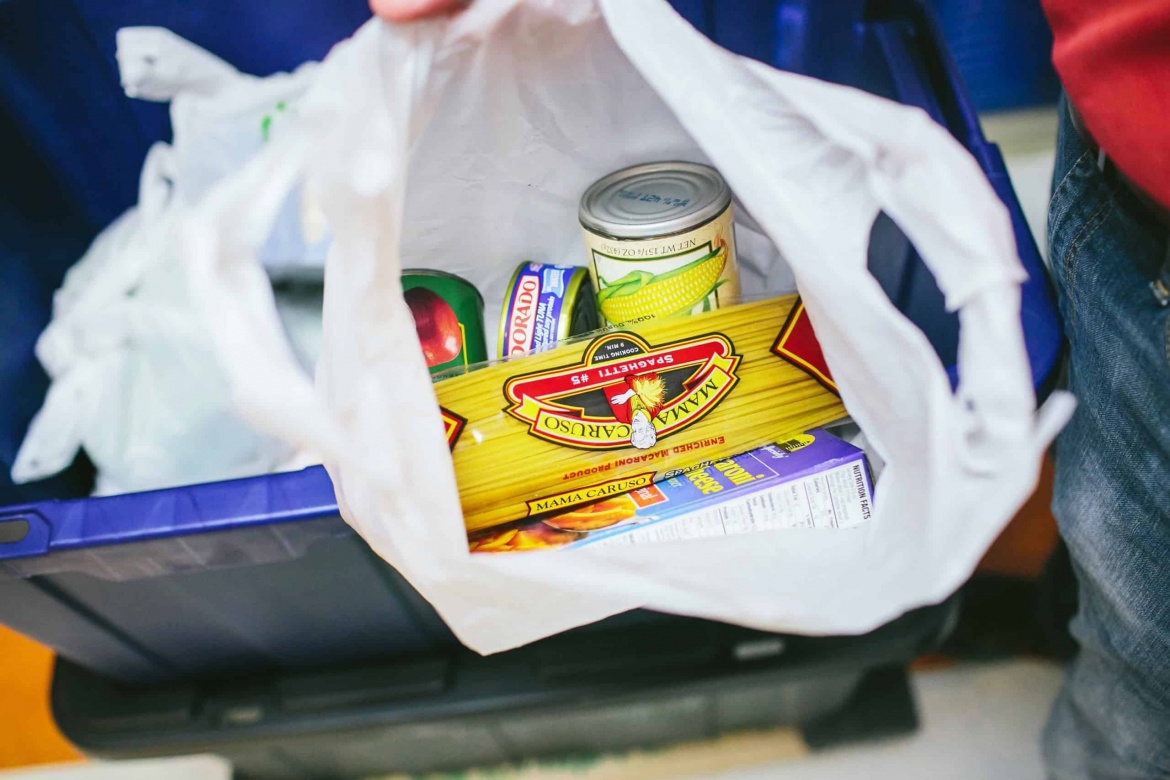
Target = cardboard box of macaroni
(811,480)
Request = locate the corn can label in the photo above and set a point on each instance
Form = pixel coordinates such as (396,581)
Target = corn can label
(626,392)
(684,273)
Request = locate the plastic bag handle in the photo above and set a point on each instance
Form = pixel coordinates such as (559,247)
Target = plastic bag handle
(973,260)
(222,238)
(156,64)
(224,233)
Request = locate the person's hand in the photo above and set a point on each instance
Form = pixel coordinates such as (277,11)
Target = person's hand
(410,10)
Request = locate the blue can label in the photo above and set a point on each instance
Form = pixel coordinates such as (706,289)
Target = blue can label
(533,314)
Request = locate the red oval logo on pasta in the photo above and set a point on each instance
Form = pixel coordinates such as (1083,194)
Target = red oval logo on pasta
(625,392)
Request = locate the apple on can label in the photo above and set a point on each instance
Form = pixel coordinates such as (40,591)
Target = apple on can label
(448,317)
(437,326)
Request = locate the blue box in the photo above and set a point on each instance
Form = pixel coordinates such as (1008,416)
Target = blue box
(809,480)
(814,480)
(261,573)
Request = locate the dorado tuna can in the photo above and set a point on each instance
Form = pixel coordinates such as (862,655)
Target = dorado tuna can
(448,315)
(660,241)
(544,304)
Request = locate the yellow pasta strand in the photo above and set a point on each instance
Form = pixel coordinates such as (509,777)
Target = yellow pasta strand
(606,414)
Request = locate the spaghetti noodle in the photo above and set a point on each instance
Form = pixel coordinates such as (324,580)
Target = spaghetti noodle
(613,412)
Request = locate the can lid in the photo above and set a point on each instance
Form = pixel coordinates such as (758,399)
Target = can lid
(410,275)
(654,199)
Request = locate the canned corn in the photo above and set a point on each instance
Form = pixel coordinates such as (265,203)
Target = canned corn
(544,304)
(448,315)
(660,241)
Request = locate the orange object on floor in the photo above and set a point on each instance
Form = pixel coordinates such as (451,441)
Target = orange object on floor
(28,734)
(1027,542)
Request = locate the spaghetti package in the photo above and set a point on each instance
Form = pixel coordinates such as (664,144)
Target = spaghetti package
(617,411)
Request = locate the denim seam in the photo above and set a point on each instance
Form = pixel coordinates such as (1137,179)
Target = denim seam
(1167,341)
(1090,225)
(1058,214)
(1071,170)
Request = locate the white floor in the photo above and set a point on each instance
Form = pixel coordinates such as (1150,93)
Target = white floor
(1028,142)
(189,768)
(979,722)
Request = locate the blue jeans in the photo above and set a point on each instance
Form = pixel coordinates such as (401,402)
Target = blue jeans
(1112,495)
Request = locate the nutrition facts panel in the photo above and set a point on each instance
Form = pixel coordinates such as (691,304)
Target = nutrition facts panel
(836,498)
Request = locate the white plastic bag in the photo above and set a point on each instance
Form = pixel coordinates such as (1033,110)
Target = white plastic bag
(464,144)
(135,378)
(221,118)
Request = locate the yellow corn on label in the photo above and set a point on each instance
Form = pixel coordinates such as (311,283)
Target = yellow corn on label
(625,392)
(684,273)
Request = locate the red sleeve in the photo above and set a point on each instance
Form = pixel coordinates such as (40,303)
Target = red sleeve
(1114,59)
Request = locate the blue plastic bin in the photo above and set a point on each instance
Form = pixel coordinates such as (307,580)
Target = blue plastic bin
(1003,48)
(261,573)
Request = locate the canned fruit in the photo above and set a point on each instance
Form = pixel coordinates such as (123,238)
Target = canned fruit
(641,295)
(448,317)
(437,326)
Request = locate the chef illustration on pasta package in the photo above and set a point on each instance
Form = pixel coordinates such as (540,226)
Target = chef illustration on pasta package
(638,406)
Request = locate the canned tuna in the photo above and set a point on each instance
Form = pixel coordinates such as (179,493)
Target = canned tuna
(545,304)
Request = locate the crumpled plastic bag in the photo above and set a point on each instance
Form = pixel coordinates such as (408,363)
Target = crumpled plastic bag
(464,144)
(221,118)
(135,379)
